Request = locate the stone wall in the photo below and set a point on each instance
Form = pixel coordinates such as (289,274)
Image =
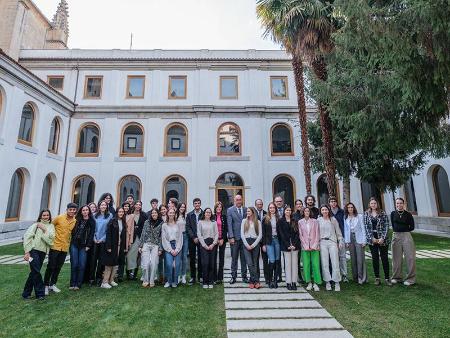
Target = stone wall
(433,223)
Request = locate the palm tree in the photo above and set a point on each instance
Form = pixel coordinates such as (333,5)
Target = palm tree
(271,14)
(306,27)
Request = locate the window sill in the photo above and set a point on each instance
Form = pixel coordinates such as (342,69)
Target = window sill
(130,159)
(175,159)
(284,158)
(28,149)
(228,158)
(85,159)
(54,156)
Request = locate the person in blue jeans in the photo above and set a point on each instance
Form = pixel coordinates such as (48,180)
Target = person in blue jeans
(37,242)
(271,243)
(181,221)
(172,243)
(81,242)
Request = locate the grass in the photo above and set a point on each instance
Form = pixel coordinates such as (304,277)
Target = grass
(125,311)
(418,311)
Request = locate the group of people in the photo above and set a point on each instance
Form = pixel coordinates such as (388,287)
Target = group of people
(107,245)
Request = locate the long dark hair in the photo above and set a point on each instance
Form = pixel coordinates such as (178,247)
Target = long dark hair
(150,218)
(103,196)
(355,212)
(116,217)
(177,214)
(40,215)
(291,222)
(202,215)
(129,207)
(106,215)
(330,215)
(79,216)
(134,206)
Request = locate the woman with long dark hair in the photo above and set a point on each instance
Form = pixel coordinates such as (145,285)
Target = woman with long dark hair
(102,218)
(107,197)
(376,225)
(37,242)
(115,243)
(150,248)
(271,243)
(208,236)
(355,239)
(172,242)
(93,207)
(330,239)
(181,221)
(81,242)
(138,218)
(222,227)
(287,230)
(251,235)
(129,239)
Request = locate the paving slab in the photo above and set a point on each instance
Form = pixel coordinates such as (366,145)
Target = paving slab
(283,324)
(282,304)
(263,290)
(272,296)
(277,313)
(292,334)
(245,285)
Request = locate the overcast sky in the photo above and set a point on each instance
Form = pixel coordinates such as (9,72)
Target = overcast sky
(164,24)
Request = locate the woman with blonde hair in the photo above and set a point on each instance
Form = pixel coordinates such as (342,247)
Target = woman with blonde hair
(251,235)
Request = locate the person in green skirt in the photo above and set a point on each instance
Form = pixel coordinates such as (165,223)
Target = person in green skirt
(310,240)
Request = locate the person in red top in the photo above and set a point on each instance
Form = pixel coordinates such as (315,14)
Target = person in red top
(222,227)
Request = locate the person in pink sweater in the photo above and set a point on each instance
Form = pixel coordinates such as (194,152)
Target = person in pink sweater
(310,240)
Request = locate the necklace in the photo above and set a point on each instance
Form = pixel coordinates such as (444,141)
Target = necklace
(400,214)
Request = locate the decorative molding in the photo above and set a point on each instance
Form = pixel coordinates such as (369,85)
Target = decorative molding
(224,158)
(284,158)
(28,149)
(175,159)
(85,159)
(54,156)
(130,159)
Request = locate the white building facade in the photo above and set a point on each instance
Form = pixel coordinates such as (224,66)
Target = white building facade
(160,124)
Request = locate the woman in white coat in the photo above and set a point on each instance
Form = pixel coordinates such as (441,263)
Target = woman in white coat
(355,239)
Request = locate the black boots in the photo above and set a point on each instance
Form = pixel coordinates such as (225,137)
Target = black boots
(278,271)
(275,274)
(269,275)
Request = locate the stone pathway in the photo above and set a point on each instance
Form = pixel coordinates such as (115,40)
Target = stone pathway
(275,312)
(18,259)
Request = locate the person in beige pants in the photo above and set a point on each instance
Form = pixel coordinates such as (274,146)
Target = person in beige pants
(403,244)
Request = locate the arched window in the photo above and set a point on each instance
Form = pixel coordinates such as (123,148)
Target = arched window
(283,185)
(176,140)
(129,185)
(46,192)
(26,125)
(281,137)
(15,196)
(229,139)
(83,190)
(175,186)
(369,190)
(441,191)
(410,196)
(132,140)
(228,185)
(322,190)
(88,140)
(53,140)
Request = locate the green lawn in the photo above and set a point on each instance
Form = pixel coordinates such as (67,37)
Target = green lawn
(125,311)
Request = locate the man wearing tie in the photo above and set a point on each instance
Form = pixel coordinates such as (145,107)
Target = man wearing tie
(260,213)
(194,244)
(235,214)
(279,202)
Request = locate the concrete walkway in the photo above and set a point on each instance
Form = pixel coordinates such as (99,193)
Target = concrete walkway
(275,312)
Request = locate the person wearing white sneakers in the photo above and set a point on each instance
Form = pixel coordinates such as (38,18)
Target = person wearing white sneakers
(114,245)
(57,255)
(310,239)
(330,239)
(172,242)
(208,236)
(181,221)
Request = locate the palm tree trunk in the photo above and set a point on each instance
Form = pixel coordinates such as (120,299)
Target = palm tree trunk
(319,69)
(346,190)
(297,65)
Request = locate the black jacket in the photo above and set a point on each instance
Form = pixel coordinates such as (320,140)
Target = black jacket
(223,218)
(191,224)
(113,238)
(266,232)
(83,238)
(139,225)
(287,235)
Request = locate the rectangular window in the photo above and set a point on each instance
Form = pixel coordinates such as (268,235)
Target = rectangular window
(57,82)
(135,87)
(279,87)
(93,87)
(177,87)
(228,87)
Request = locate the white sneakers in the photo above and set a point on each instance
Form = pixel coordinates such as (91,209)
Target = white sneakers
(54,288)
(309,287)
(337,287)
(46,290)
(205,286)
(167,285)
(315,287)
(183,279)
(406,283)
(328,286)
(394,281)
(105,286)
(211,286)
(113,283)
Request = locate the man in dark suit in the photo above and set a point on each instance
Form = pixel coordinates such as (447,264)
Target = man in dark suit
(260,213)
(279,203)
(235,214)
(194,244)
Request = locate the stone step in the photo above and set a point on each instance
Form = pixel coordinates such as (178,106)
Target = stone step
(272,296)
(292,334)
(5,258)
(263,290)
(436,254)
(283,324)
(267,304)
(245,285)
(278,313)
(14,260)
